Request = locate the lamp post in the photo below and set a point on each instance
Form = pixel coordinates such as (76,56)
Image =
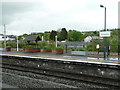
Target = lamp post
(104,30)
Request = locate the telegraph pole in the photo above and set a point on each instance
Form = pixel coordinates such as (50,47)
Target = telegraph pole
(4,37)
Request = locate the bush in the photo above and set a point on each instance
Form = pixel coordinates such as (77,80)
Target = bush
(42,44)
(22,44)
(1,44)
(12,44)
(52,44)
(47,47)
(30,47)
(59,47)
(91,47)
(78,49)
(114,46)
(112,42)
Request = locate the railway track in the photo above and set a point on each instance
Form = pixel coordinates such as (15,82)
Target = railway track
(65,75)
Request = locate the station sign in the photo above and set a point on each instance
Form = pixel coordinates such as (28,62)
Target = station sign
(105,34)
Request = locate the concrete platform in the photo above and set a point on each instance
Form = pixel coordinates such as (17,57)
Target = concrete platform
(64,57)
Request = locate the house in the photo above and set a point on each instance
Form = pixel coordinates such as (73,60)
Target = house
(8,38)
(89,38)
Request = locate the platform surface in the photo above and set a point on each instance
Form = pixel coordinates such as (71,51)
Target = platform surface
(64,57)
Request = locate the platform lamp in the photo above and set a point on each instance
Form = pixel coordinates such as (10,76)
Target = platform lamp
(104,30)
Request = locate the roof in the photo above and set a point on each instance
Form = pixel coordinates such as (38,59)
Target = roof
(32,38)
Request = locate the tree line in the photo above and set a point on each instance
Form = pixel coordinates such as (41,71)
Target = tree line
(63,34)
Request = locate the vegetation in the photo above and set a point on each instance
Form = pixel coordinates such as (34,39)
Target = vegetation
(74,35)
(109,41)
(59,47)
(1,44)
(63,34)
(12,44)
(42,44)
(30,47)
(47,47)
(71,35)
(78,49)
(52,35)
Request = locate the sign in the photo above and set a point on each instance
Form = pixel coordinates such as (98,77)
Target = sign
(105,34)
(97,46)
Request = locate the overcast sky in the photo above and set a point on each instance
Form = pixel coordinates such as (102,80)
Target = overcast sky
(26,16)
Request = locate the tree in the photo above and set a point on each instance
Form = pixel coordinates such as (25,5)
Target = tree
(52,35)
(92,33)
(74,35)
(46,36)
(63,34)
(22,36)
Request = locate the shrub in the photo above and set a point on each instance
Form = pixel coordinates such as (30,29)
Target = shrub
(78,49)
(42,44)
(59,47)
(91,47)
(12,44)
(22,44)
(1,44)
(47,47)
(30,47)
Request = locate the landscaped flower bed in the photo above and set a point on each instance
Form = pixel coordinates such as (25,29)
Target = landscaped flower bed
(8,49)
(59,50)
(33,50)
(47,50)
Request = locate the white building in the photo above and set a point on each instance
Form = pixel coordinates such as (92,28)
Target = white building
(7,38)
(89,38)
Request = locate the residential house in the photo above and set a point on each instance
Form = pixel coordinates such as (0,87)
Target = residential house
(7,38)
(89,38)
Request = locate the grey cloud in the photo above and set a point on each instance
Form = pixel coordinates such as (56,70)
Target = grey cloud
(10,9)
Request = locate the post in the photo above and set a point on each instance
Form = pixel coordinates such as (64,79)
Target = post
(97,47)
(108,53)
(119,50)
(4,37)
(118,45)
(17,44)
(42,38)
(66,47)
(104,37)
(56,40)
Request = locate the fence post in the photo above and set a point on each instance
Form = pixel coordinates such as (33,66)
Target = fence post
(66,48)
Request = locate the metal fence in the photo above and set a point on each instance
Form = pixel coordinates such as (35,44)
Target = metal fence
(74,44)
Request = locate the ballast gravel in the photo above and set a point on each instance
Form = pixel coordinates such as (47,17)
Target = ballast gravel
(31,80)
